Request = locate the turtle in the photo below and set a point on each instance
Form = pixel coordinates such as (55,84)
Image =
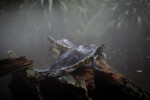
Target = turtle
(61,45)
(57,47)
(74,58)
(71,60)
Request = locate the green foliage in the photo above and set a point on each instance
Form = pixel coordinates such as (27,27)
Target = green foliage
(86,18)
(129,13)
(83,20)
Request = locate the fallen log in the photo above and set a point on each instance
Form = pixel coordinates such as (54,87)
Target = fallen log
(86,83)
(11,65)
(82,84)
(112,84)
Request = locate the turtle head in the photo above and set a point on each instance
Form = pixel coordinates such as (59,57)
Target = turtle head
(99,52)
(100,49)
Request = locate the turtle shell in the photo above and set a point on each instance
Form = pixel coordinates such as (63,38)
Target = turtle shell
(61,44)
(65,43)
(72,59)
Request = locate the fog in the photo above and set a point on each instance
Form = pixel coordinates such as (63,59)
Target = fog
(24,28)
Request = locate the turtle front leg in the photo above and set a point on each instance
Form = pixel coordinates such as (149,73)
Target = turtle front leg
(94,64)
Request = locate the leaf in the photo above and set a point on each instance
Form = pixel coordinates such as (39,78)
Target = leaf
(82,9)
(119,24)
(63,5)
(139,20)
(50,4)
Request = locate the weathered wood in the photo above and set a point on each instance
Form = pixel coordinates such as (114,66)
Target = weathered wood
(10,65)
(111,84)
(103,84)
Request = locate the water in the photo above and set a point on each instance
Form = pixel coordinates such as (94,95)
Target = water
(24,27)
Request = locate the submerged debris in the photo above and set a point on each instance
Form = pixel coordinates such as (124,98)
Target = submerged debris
(86,83)
(139,71)
(81,84)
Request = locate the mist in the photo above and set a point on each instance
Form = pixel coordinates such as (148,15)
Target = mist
(123,27)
